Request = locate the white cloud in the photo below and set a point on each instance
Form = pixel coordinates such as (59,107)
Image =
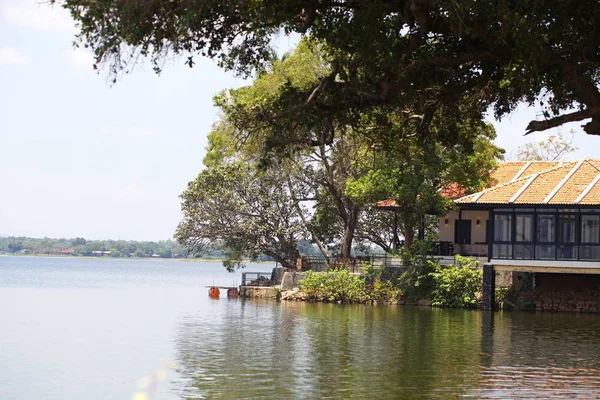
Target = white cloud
(81,58)
(37,14)
(12,56)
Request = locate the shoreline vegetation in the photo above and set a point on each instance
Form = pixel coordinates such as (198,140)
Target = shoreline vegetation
(81,247)
(421,282)
(189,259)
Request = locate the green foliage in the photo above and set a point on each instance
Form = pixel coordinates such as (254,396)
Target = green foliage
(83,247)
(501,293)
(337,169)
(412,173)
(416,281)
(14,245)
(384,290)
(459,285)
(370,272)
(233,262)
(246,211)
(418,59)
(334,286)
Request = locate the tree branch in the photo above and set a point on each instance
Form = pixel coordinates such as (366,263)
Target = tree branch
(537,126)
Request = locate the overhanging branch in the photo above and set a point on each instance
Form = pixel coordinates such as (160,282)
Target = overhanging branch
(538,126)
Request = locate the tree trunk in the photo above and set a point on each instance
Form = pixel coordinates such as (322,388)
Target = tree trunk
(409,233)
(349,229)
(287,263)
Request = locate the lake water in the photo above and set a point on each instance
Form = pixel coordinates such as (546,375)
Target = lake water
(73,328)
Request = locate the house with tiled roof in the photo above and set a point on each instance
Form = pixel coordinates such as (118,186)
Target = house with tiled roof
(537,217)
(535,211)
(466,228)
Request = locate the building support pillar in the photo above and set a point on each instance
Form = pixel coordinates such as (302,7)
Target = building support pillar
(458,228)
(489,287)
(395,239)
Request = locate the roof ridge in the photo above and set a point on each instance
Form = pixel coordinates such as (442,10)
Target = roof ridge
(562,182)
(496,187)
(588,160)
(587,189)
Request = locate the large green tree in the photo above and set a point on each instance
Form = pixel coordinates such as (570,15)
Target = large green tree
(377,157)
(246,211)
(418,58)
(420,177)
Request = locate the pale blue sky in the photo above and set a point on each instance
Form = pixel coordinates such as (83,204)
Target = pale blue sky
(81,158)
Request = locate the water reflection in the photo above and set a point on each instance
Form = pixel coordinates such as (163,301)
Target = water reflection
(528,355)
(299,350)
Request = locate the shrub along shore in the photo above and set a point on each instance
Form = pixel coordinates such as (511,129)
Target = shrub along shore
(422,281)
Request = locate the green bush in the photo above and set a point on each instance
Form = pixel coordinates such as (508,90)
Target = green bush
(457,285)
(370,273)
(334,286)
(385,291)
(416,281)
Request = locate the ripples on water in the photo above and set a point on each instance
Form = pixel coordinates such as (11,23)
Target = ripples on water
(299,350)
(92,328)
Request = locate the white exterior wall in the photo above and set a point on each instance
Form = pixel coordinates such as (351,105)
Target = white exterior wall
(478,234)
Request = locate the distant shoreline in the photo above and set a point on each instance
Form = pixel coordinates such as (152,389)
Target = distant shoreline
(200,260)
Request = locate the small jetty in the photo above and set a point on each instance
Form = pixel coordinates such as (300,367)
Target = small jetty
(214,292)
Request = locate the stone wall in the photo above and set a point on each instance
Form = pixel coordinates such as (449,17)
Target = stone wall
(564,292)
(290,279)
(261,292)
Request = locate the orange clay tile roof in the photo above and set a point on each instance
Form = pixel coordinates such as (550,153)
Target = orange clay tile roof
(506,171)
(513,170)
(452,191)
(535,167)
(566,183)
(386,203)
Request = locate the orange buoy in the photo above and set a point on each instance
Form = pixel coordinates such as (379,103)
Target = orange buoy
(214,293)
(233,292)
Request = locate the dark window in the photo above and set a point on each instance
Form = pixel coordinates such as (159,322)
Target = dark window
(566,228)
(502,244)
(590,238)
(502,250)
(546,237)
(546,226)
(545,252)
(590,229)
(546,234)
(503,228)
(589,253)
(567,237)
(464,226)
(523,236)
(523,228)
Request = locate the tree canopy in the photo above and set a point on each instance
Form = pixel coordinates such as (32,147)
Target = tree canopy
(248,212)
(418,58)
(252,201)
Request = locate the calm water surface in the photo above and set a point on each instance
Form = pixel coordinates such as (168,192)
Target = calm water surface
(75,328)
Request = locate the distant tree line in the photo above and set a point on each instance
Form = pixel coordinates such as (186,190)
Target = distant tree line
(121,248)
(83,247)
